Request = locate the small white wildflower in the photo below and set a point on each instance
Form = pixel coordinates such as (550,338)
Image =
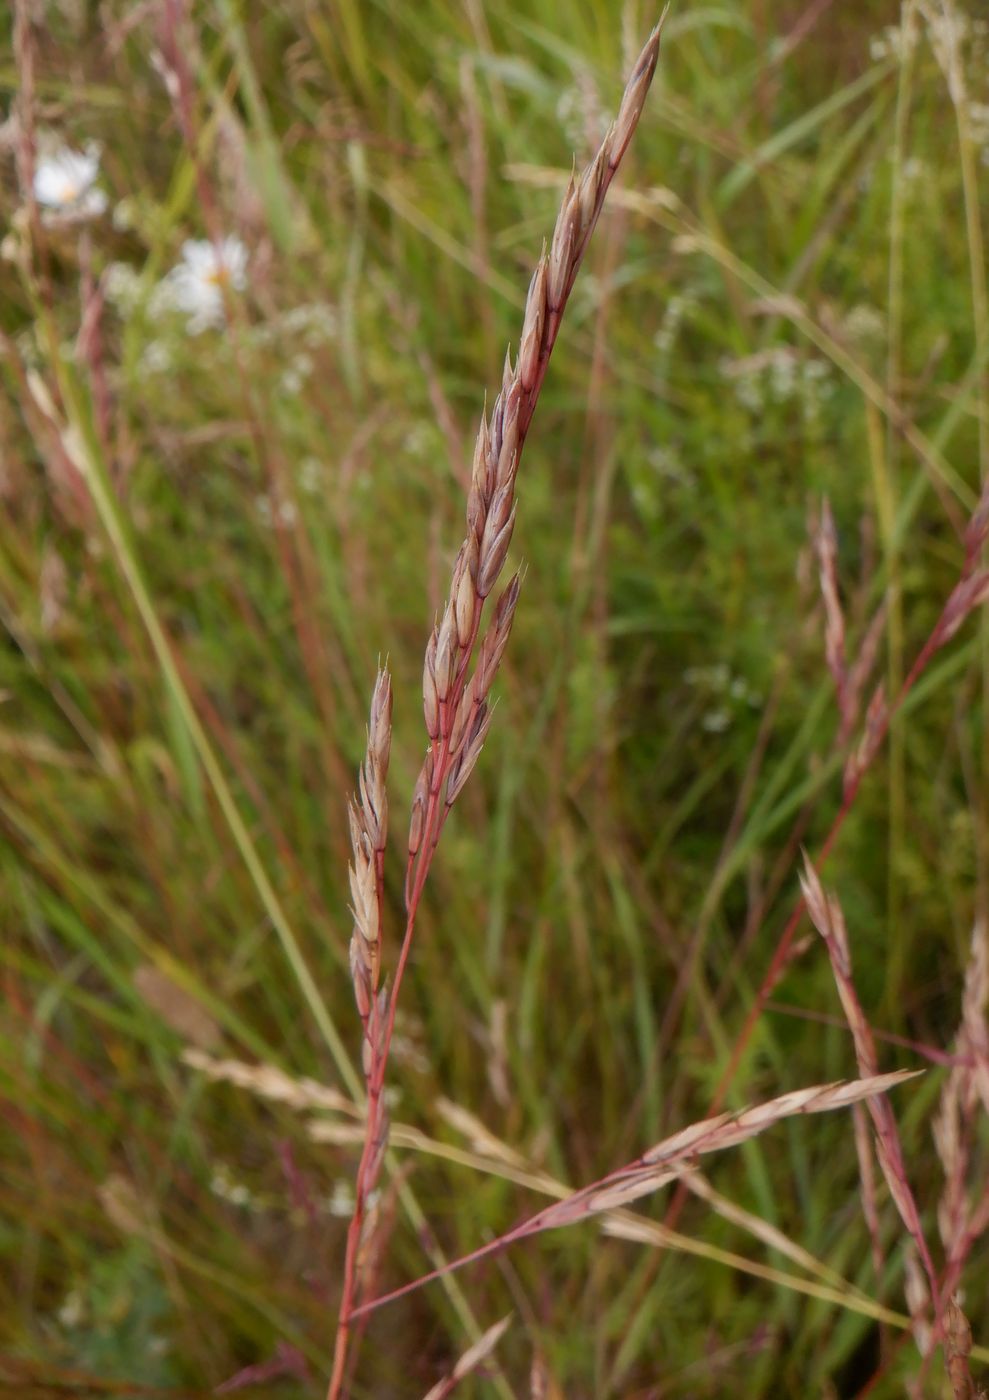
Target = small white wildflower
(313,324)
(716,722)
(122,287)
(286,514)
(65,184)
(341,1203)
(195,286)
(782,375)
(864,323)
(678,306)
(421,440)
(978,115)
(156,358)
(311,476)
(72,1311)
(297,373)
(124,216)
(890,43)
(223,1185)
(666,463)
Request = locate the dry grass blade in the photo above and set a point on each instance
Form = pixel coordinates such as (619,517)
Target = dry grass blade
(269,1082)
(470,1360)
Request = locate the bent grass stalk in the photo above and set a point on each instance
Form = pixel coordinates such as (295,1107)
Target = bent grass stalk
(670,1160)
(456,708)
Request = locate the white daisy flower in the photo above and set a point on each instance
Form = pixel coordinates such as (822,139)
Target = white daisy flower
(65,184)
(195,286)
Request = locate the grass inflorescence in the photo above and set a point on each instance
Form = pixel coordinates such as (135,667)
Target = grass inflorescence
(259,266)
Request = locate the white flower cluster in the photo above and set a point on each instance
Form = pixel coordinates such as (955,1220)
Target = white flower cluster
(978,116)
(778,375)
(677,308)
(312,476)
(310,326)
(730,692)
(285,516)
(863,323)
(948,31)
(893,42)
(296,372)
(223,1185)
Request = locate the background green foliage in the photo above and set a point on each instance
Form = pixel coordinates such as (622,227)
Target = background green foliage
(292,489)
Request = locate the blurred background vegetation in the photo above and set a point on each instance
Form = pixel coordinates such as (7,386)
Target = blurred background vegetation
(781,303)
